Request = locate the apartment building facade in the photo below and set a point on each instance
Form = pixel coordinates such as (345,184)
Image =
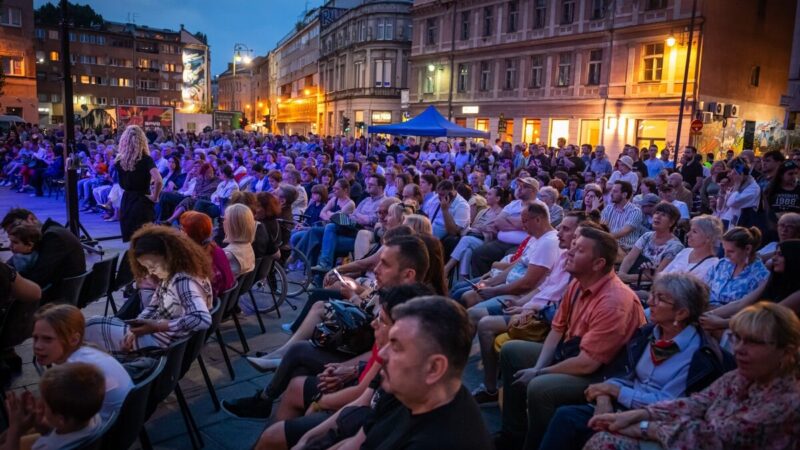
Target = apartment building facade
(603,71)
(122,64)
(294,91)
(363,66)
(18,60)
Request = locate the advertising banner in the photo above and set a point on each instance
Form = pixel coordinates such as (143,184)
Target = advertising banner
(227,120)
(195,85)
(146,116)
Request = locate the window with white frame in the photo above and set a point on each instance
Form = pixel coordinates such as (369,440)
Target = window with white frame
(488,21)
(358,67)
(13,66)
(595,65)
(564,77)
(429,81)
(10,16)
(567,12)
(463,77)
(540,13)
(598,9)
(431,31)
(486,76)
(537,72)
(466,18)
(510,81)
(652,62)
(385,29)
(383,73)
(513,16)
(39,33)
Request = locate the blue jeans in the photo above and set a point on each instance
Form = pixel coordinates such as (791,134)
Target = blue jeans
(569,428)
(461,288)
(333,244)
(308,242)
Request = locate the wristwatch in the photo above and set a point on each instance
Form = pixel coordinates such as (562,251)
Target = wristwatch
(643,427)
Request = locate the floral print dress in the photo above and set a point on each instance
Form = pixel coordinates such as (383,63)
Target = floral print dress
(732,413)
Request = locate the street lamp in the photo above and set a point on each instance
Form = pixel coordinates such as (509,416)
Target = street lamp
(241,53)
(670,41)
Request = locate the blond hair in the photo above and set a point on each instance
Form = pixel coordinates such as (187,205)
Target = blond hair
(419,223)
(239,224)
(132,145)
(773,323)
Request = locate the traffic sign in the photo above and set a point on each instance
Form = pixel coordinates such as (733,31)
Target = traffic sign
(697,126)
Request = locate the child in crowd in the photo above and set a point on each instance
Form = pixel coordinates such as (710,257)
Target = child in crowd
(65,415)
(25,240)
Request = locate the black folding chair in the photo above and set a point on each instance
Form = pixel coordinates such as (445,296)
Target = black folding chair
(97,284)
(195,351)
(230,311)
(132,415)
(71,289)
(248,280)
(167,383)
(122,279)
(216,319)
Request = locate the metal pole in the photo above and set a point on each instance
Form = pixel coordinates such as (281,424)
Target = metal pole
(233,78)
(452,64)
(685,81)
(71,172)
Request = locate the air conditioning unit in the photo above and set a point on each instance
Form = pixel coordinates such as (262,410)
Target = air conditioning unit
(708,117)
(701,106)
(731,110)
(716,108)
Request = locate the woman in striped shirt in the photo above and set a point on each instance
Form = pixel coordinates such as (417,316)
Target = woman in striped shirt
(179,306)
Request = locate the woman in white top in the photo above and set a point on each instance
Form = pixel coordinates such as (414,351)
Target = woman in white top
(700,255)
(58,332)
(240,231)
(225,188)
(741,192)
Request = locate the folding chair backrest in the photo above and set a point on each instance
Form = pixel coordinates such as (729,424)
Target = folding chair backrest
(248,279)
(132,414)
(95,441)
(165,383)
(98,282)
(71,289)
(193,348)
(217,310)
(233,295)
(124,275)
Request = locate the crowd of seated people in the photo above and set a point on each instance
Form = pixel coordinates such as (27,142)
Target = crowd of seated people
(625,303)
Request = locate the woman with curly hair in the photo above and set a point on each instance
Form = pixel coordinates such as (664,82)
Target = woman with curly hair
(136,171)
(179,305)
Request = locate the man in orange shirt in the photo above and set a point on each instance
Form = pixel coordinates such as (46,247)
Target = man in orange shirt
(597,317)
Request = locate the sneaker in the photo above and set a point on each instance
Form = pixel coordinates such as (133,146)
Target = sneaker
(320,269)
(255,407)
(483,397)
(264,364)
(287,328)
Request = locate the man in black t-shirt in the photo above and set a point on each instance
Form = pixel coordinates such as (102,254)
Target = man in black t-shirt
(428,348)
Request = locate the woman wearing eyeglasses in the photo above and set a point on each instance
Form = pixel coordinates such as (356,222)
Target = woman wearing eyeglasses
(666,359)
(755,406)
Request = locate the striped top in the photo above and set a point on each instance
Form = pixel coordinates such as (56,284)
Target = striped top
(617,219)
(183,301)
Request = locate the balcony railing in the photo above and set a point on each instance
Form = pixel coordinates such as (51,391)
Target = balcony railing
(386,92)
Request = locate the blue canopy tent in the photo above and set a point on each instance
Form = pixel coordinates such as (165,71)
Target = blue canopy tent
(429,124)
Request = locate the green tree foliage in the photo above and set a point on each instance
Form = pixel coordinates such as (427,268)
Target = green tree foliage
(83,16)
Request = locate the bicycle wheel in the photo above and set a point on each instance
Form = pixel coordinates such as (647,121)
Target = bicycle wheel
(298,273)
(274,286)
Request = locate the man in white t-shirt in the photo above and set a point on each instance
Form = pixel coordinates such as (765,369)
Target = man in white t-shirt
(508,226)
(539,257)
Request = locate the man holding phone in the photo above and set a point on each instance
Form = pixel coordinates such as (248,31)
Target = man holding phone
(450,211)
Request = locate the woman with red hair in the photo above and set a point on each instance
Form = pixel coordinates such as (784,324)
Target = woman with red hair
(198,227)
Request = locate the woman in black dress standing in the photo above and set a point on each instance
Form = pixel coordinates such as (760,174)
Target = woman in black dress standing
(136,171)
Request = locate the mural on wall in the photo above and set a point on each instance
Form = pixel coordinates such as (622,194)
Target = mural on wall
(194,89)
(718,139)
